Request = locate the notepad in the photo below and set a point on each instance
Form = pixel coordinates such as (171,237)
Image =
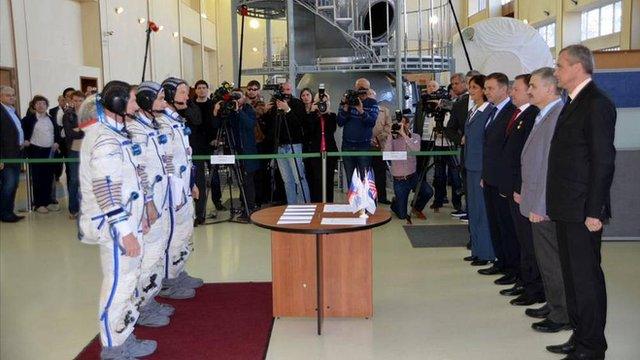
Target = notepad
(343,221)
(337,208)
(285,222)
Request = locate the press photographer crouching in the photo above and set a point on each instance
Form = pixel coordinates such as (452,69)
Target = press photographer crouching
(404,173)
(358,114)
(284,121)
(320,127)
(238,119)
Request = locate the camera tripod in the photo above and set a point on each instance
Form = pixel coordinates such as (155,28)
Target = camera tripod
(279,119)
(225,140)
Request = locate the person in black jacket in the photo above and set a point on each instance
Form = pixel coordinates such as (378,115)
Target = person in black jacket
(581,169)
(73,137)
(285,120)
(320,128)
(503,234)
(11,144)
(42,137)
(529,287)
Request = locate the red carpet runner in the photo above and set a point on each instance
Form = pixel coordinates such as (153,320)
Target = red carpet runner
(224,321)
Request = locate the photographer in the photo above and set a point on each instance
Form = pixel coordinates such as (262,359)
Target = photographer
(285,120)
(381,134)
(358,114)
(320,127)
(404,173)
(241,122)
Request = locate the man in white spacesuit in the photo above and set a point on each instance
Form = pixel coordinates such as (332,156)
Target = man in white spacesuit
(177,283)
(156,165)
(112,215)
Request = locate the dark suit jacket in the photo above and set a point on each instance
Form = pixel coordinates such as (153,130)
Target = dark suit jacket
(459,113)
(582,158)
(29,123)
(53,112)
(513,149)
(9,146)
(493,166)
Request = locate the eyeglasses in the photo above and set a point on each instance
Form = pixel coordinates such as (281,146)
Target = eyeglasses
(252,89)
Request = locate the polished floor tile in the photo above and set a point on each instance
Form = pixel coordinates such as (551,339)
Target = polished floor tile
(429,304)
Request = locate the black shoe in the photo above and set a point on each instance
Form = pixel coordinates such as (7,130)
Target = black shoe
(490,271)
(243,218)
(480,262)
(198,221)
(12,219)
(524,300)
(219,206)
(548,326)
(384,201)
(539,313)
(506,280)
(469,245)
(514,291)
(470,258)
(464,219)
(566,348)
(458,213)
(582,356)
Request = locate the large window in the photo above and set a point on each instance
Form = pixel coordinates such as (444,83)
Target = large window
(601,21)
(548,33)
(475,6)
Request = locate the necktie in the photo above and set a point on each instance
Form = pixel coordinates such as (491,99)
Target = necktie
(492,114)
(512,121)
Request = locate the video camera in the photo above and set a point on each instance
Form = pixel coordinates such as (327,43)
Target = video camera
(437,105)
(352,97)
(225,95)
(277,92)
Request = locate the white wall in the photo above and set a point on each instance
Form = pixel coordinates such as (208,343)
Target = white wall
(165,48)
(6,35)
(49,58)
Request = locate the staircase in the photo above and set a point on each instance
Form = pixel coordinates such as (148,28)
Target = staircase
(346,19)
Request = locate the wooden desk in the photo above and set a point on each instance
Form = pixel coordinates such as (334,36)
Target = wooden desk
(321,270)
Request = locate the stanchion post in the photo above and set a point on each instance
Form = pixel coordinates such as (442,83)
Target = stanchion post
(324,177)
(29,189)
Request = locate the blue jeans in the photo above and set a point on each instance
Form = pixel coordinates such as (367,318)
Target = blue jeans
(351,162)
(9,177)
(295,181)
(402,188)
(73,182)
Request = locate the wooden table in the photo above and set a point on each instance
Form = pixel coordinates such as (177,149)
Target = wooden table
(321,270)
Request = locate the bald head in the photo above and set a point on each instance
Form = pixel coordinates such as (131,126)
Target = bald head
(362,83)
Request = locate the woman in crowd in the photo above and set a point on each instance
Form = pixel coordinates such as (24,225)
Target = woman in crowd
(320,127)
(481,246)
(42,137)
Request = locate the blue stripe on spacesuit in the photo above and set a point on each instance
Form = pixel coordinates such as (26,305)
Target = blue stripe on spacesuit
(171,224)
(116,265)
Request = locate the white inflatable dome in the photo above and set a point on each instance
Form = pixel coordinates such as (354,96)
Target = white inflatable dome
(502,45)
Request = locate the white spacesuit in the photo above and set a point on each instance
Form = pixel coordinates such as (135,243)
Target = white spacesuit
(112,207)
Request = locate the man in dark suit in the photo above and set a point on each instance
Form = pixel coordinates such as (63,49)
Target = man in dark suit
(581,168)
(529,285)
(11,144)
(503,234)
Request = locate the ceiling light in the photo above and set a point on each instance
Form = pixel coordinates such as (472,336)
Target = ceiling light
(203,15)
(142,20)
(254,24)
(433,20)
(119,10)
(160,27)
(525,21)
(175,34)
(255,49)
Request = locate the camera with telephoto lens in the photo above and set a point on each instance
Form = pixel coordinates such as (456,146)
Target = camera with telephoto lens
(437,105)
(352,97)
(227,98)
(322,99)
(397,124)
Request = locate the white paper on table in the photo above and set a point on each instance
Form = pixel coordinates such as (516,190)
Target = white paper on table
(301,206)
(293,217)
(394,155)
(337,208)
(284,222)
(343,221)
(300,211)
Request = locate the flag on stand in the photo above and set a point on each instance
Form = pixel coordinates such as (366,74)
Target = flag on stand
(356,192)
(371,192)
